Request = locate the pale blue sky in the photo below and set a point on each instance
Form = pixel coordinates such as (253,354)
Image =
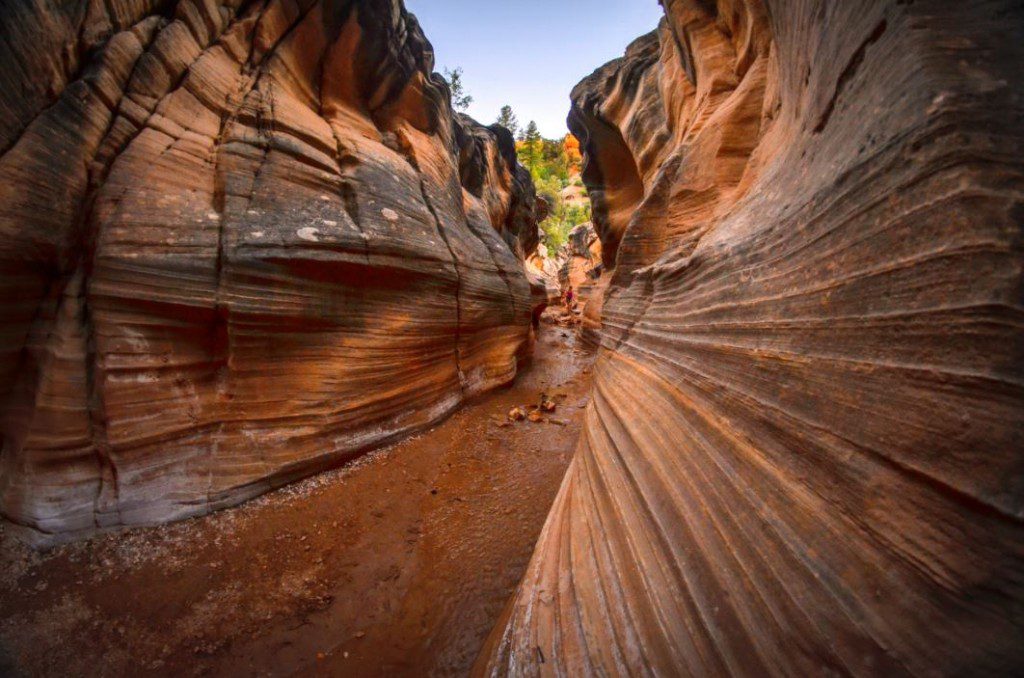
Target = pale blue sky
(530,53)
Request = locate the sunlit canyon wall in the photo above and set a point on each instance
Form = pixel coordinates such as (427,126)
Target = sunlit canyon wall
(242,241)
(804,452)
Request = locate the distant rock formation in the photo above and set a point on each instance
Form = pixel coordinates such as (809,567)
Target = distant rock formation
(575,264)
(581,260)
(583,270)
(241,242)
(805,449)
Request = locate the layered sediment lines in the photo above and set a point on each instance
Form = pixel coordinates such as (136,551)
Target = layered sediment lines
(241,241)
(804,453)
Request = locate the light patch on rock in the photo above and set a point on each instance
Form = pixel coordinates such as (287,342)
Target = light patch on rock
(389,214)
(328,222)
(257,234)
(309,233)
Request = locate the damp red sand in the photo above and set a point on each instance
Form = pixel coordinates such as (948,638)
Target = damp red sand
(398,564)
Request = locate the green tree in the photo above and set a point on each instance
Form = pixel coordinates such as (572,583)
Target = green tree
(550,189)
(531,149)
(460,98)
(554,165)
(564,216)
(507,119)
(555,160)
(563,219)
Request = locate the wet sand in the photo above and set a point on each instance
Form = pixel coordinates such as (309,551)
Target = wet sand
(398,564)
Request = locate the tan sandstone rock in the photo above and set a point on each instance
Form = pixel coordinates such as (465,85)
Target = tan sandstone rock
(241,242)
(804,450)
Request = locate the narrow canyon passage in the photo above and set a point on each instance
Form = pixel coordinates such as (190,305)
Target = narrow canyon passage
(399,564)
(272,400)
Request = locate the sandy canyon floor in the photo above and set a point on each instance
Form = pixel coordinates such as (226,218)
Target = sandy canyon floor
(398,564)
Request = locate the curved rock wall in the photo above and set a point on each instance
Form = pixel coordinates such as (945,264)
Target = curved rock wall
(242,240)
(804,453)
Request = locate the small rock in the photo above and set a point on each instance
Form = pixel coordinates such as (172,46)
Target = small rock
(548,405)
(536,417)
(516,414)
(360,634)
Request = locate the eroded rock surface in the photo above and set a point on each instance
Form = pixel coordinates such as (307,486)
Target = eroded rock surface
(804,450)
(241,242)
(583,270)
(581,261)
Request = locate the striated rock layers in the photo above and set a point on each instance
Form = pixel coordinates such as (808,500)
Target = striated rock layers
(804,452)
(242,240)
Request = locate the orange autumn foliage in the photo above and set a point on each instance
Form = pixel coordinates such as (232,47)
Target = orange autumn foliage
(571,146)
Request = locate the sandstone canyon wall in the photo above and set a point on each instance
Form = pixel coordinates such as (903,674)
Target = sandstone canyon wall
(804,452)
(240,241)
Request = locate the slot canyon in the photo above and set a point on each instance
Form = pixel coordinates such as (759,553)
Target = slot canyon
(291,384)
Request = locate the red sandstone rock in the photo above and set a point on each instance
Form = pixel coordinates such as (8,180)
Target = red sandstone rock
(583,270)
(542,268)
(804,450)
(581,261)
(241,242)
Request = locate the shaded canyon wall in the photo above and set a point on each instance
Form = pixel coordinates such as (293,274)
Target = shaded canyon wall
(242,241)
(804,452)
